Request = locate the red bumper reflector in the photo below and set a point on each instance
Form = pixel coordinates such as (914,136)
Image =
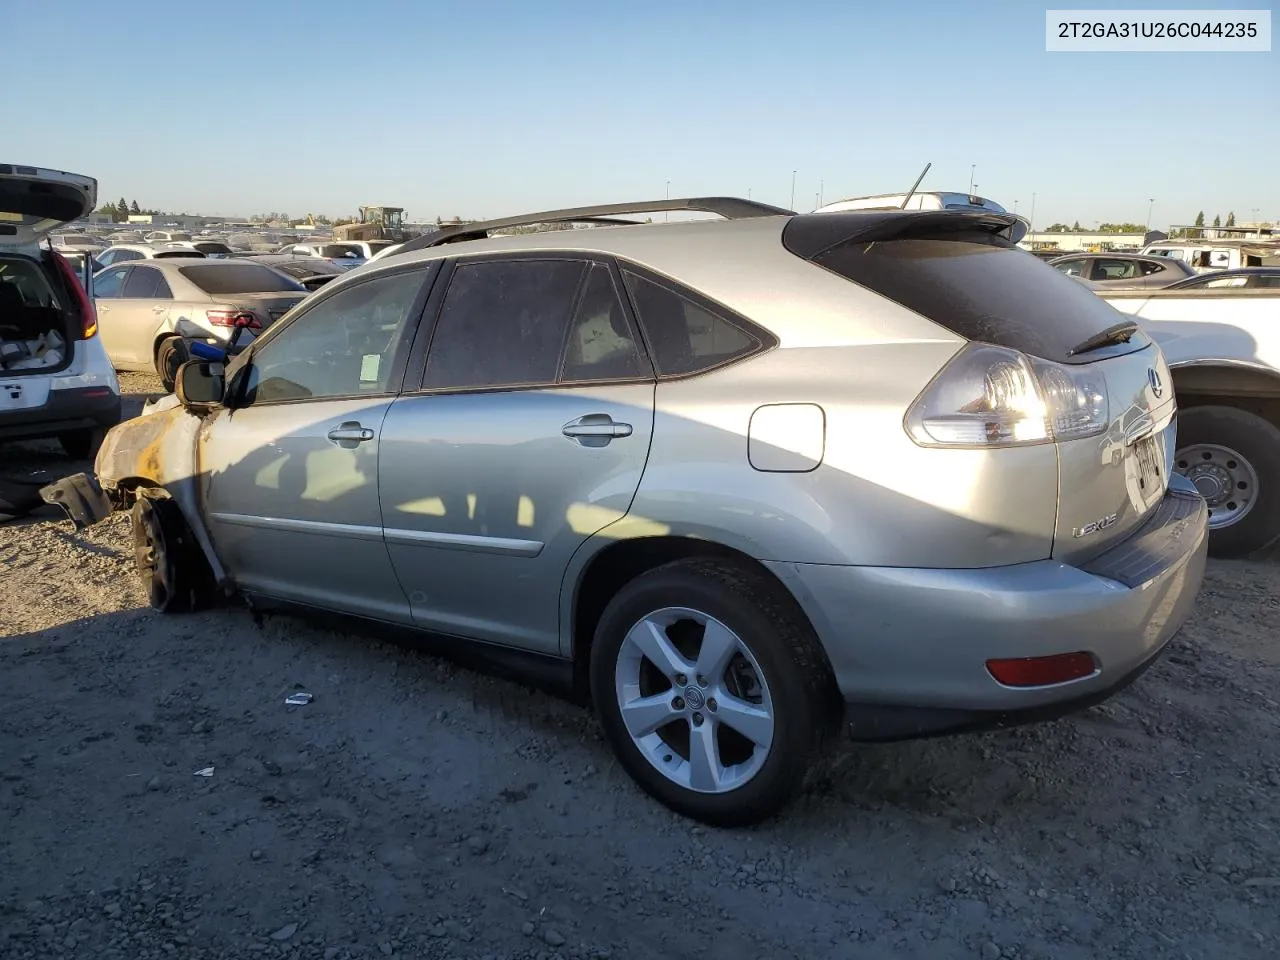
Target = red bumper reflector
(1042,671)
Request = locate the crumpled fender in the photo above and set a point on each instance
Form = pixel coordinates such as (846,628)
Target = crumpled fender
(157,449)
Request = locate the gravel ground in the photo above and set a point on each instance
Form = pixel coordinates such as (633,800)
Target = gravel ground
(418,809)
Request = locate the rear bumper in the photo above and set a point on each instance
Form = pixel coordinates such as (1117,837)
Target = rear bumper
(66,410)
(909,646)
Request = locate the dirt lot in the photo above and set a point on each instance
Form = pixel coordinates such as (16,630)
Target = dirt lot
(418,809)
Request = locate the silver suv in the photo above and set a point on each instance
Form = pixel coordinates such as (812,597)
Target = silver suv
(747,482)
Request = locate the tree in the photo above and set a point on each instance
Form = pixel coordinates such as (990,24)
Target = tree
(1231,219)
(1075,227)
(122,209)
(1217,220)
(1057,228)
(134,208)
(1200,219)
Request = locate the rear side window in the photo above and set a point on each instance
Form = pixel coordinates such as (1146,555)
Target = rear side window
(1149,268)
(220,277)
(146,283)
(685,337)
(980,290)
(503,324)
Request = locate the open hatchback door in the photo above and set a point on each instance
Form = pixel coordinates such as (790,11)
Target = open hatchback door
(35,201)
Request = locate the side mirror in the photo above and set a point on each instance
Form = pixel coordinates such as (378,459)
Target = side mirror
(200,385)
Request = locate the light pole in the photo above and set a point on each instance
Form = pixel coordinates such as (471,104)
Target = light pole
(821,189)
(1031,220)
(793,189)
(1150,203)
(666,215)
(748,193)
(1015,207)
(972,186)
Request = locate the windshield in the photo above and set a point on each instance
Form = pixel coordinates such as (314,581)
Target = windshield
(376,245)
(225,278)
(79,242)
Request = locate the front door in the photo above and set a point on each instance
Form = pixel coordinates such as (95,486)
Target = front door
(290,473)
(530,434)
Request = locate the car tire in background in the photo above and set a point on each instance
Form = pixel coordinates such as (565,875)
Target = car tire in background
(81,444)
(689,657)
(171,354)
(1233,458)
(172,566)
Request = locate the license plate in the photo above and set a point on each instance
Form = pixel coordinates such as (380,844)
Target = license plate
(1150,454)
(13,397)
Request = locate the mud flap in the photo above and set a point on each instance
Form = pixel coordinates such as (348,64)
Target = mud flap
(80,497)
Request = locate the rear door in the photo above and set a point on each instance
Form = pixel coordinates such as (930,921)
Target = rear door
(290,475)
(138,313)
(529,434)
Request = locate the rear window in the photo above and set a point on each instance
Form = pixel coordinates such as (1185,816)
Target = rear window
(339,250)
(982,291)
(224,278)
(211,246)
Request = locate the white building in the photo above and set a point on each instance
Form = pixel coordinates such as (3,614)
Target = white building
(1091,242)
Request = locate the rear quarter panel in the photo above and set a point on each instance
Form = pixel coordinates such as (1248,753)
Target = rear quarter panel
(876,498)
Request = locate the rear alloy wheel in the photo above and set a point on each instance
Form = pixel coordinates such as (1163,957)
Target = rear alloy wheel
(170,355)
(1233,458)
(712,690)
(172,566)
(81,444)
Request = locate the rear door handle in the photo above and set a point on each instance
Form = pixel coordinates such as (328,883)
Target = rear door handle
(595,429)
(349,434)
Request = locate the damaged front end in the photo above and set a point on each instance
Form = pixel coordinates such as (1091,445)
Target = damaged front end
(152,455)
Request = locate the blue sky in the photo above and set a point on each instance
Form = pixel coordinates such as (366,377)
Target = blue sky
(488,108)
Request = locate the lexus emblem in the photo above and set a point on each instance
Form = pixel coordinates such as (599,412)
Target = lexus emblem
(1157,385)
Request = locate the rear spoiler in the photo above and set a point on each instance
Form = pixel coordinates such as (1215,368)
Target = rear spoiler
(813,234)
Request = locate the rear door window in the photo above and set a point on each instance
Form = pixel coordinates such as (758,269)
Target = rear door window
(146,283)
(1109,268)
(980,289)
(503,324)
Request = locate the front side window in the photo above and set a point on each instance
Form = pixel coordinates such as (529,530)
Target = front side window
(1072,268)
(108,283)
(349,345)
(1149,268)
(503,324)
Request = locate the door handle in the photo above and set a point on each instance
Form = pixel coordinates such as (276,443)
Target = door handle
(595,429)
(349,434)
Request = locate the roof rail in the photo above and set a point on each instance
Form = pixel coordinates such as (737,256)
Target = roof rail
(731,208)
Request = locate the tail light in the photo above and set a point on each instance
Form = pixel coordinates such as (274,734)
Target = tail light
(995,397)
(233,318)
(88,315)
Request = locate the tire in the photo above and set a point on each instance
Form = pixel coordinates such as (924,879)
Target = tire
(797,690)
(170,355)
(171,564)
(81,444)
(1230,453)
